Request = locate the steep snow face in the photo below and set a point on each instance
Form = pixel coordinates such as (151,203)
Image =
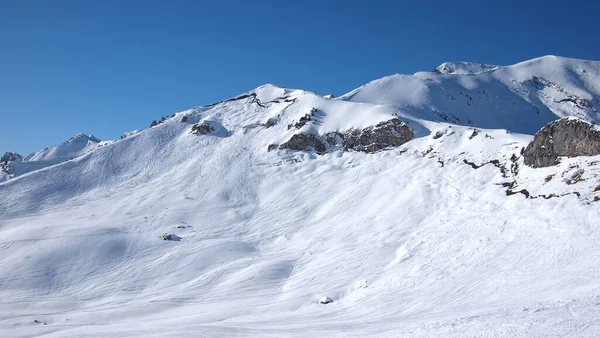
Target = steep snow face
(447,235)
(463,68)
(520,98)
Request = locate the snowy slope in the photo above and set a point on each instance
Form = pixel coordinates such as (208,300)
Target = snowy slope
(520,98)
(463,68)
(71,148)
(433,238)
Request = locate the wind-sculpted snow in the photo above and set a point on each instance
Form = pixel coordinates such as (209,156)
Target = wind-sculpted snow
(167,233)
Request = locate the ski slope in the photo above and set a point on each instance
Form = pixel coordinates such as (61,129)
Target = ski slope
(417,241)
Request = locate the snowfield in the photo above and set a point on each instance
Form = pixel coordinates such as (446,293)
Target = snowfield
(433,238)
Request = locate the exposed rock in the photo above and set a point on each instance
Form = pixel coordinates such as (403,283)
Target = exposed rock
(576,177)
(10,157)
(388,134)
(202,129)
(325,300)
(438,134)
(271,122)
(565,137)
(5,161)
(303,120)
(170,237)
(252,96)
(184,118)
(475,133)
(305,142)
(272,147)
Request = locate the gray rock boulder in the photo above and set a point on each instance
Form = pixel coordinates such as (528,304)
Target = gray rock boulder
(202,129)
(568,137)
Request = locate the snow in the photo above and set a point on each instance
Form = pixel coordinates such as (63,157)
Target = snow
(65,151)
(463,68)
(74,146)
(502,98)
(406,242)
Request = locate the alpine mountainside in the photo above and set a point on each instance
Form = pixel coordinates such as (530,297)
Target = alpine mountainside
(12,164)
(444,203)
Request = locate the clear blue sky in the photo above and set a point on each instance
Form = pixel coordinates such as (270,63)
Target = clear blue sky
(105,67)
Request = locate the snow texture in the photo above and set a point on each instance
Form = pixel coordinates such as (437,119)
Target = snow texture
(447,235)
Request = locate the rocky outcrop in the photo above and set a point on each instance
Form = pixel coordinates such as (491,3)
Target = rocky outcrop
(10,157)
(170,237)
(5,161)
(568,137)
(305,142)
(303,120)
(388,134)
(202,129)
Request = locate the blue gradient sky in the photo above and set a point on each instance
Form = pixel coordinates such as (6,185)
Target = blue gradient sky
(105,67)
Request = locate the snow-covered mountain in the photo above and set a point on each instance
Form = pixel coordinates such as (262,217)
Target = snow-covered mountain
(405,204)
(463,68)
(520,98)
(15,165)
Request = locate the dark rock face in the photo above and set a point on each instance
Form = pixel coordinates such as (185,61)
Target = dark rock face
(564,137)
(305,142)
(270,122)
(304,120)
(5,161)
(10,157)
(388,134)
(202,129)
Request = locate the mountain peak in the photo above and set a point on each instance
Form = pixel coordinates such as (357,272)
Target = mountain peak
(10,157)
(83,136)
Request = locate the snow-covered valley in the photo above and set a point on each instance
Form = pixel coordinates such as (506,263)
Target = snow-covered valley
(446,234)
